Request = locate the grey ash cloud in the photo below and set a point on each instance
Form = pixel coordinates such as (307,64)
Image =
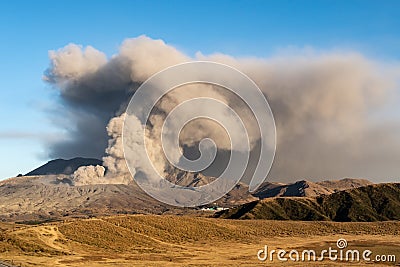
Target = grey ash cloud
(325,106)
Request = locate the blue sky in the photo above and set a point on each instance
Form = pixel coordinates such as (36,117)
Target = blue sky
(246,28)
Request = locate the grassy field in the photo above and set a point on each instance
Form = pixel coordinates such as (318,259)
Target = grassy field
(147,240)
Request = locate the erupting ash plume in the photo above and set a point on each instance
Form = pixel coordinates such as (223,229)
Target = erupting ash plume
(328,109)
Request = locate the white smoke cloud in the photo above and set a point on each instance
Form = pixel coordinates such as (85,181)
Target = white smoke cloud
(149,56)
(115,161)
(89,175)
(72,61)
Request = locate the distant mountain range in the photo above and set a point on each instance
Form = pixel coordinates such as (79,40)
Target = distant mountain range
(268,189)
(307,189)
(48,193)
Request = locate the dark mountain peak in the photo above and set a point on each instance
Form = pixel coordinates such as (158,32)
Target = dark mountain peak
(303,183)
(63,166)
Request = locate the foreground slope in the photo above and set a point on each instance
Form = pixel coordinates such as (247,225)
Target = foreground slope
(148,240)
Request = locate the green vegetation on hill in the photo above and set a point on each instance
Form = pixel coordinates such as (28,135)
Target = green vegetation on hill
(369,203)
(364,204)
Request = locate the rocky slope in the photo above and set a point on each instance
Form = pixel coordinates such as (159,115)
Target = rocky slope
(53,197)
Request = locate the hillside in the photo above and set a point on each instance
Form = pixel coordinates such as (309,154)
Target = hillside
(40,201)
(52,197)
(379,202)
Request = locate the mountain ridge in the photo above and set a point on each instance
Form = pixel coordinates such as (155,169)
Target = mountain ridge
(55,196)
(377,202)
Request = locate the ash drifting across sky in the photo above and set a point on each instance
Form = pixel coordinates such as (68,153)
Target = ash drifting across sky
(332,110)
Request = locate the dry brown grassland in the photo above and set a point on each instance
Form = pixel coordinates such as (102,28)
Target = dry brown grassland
(150,240)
